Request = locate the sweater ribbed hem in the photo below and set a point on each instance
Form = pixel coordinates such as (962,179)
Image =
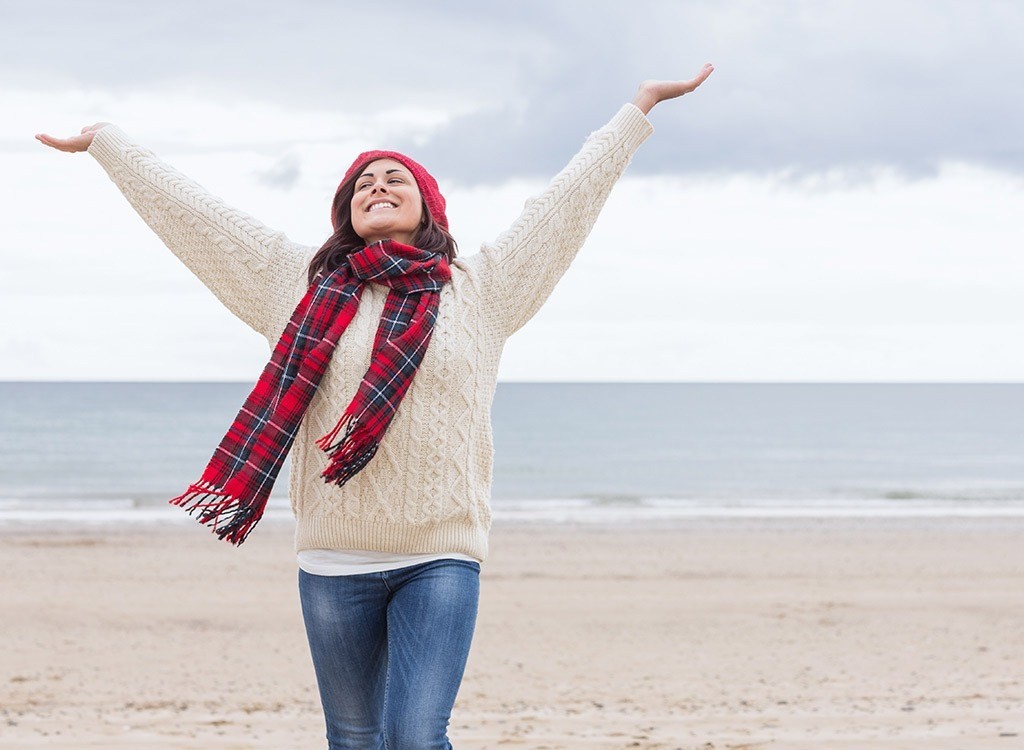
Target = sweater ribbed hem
(633,123)
(107,145)
(322,532)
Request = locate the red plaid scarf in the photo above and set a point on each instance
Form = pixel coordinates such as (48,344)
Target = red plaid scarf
(233,491)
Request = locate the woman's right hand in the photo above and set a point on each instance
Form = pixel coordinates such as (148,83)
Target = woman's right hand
(74,143)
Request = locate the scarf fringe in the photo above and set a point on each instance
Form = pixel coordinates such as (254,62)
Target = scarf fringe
(349,454)
(346,423)
(228,516)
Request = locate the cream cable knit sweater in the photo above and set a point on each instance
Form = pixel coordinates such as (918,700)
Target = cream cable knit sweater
(428,487)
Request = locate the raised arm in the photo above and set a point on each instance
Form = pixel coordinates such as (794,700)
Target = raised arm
(519,270)
(252,269)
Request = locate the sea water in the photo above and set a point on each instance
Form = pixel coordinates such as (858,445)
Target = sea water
(87,452)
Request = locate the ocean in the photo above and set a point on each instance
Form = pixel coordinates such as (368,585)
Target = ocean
(84,452)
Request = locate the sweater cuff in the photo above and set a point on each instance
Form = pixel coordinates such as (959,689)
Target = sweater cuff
(633,124)
(109,145)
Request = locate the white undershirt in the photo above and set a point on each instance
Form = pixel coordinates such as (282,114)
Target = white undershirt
(350,562)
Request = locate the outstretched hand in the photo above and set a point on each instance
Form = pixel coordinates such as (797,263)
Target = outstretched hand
(651,92)
(75,143)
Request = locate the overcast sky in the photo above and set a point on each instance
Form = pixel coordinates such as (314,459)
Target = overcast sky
(840,201)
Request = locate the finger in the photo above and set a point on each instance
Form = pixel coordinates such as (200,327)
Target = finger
(61,144)
(707,70)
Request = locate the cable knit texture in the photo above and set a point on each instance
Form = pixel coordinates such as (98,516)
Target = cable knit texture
(428,487)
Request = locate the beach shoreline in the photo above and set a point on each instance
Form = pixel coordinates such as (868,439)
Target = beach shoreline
(711,633)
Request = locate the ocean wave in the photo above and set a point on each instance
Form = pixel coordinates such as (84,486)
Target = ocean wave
(595,508)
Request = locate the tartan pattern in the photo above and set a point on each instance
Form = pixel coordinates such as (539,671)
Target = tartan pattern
(235,486)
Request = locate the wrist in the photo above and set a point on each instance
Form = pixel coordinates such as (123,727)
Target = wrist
(645,100)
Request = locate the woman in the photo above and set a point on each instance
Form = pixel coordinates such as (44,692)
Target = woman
(385,350)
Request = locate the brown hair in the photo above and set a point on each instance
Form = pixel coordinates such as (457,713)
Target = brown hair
(431,236)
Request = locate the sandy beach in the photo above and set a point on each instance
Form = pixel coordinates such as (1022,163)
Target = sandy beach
(711,634)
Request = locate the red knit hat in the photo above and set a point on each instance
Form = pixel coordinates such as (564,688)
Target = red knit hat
(424,180)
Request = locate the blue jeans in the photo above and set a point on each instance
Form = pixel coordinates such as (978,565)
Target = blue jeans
(389,650)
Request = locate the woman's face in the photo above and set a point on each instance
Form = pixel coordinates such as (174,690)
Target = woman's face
(386,203)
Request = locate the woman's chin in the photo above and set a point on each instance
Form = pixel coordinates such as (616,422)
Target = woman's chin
(380,229)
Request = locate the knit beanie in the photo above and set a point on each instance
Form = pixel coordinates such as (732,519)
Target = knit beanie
(427,184)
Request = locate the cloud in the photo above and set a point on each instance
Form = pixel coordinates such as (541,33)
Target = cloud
(282,174)
(800,89)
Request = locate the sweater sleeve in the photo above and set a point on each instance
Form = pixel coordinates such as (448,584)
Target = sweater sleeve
(519,270)
(252,269)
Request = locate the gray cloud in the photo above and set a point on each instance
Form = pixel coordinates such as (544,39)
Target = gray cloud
(801,87)
(817,87)
(282,174)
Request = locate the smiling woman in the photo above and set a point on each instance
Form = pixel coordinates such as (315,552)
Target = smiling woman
(385,350)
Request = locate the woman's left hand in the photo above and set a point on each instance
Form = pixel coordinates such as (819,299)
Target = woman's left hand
(651,92)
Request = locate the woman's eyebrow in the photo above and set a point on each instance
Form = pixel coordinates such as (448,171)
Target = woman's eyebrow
(387,171)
